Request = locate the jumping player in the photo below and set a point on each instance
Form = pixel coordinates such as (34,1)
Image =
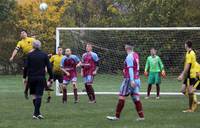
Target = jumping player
(55,60)
(154,66)
(130,85)
(189,75)
(25,44)
(69,64)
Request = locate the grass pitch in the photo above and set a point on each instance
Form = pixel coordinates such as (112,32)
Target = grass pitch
(16,112)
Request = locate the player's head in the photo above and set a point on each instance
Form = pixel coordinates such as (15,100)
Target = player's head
(128,48)
(36,44)
(68,51)
(23,34)
(60,50)
(88,47)
(153,51)
(188,45)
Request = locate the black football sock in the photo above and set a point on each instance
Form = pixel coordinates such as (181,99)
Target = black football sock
(37,106)
(75,94)
(149,90)
(158,90)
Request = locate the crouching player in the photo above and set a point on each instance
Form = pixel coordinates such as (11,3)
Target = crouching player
(90,63)
(68,66)
(130,85)
(55,60)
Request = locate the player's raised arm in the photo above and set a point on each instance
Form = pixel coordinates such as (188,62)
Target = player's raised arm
(14,53)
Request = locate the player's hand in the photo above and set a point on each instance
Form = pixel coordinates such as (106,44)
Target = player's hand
(24,81)
(133,84)
(67,73)
(146,74)
(94,73)
(11,59)
(163,74)
(49,55)
(180,77)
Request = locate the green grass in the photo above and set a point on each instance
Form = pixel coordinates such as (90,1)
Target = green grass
(16,112)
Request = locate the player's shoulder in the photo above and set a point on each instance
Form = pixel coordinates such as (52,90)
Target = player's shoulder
(30,38)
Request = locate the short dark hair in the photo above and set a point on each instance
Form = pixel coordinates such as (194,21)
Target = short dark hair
(23,30)
(189,43)
(59,47)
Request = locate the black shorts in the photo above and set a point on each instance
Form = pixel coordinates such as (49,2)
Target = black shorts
(58,77)
(36,86)
(192,81)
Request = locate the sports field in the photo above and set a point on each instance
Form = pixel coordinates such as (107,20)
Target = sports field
(16,112)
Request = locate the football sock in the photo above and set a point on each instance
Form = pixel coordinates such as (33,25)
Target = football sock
(195,102)
(37,106)
(64,94)
(138,106)
(149,90)
(88,91)
(119,108)
(158,90)
(49,94)
(75,94)
(92,92)
(191,99)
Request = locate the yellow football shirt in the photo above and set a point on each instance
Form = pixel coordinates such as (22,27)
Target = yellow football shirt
(26,45)
(191,59)
(56,60)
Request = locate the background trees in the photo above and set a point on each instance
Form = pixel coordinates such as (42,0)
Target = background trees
(86,13)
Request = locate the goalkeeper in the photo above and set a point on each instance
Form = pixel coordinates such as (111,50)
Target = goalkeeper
(153,68)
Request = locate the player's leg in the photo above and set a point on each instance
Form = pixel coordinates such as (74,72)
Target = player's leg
(36,90)
(124,91)
(49,85)
(26,87)
(158,82)
(190,82)
(151,81)
(136,100)
(64,87)
(75,89)
(90,89)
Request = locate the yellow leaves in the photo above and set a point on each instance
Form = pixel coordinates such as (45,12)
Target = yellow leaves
(40,23)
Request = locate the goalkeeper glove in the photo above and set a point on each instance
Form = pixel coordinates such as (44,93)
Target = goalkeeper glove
(146,74)
(163,74)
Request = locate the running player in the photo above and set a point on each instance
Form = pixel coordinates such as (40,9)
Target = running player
(130,85)
(154,66)
(25,44)
(55,60)
(90,66)
(69,64)
(189,76)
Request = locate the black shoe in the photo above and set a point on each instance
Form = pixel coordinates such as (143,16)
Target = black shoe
(40,117)
(26,95)
(35,117)
(76,101)
(48,99)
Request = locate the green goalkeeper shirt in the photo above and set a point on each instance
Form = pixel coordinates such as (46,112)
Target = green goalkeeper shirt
(154,64)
